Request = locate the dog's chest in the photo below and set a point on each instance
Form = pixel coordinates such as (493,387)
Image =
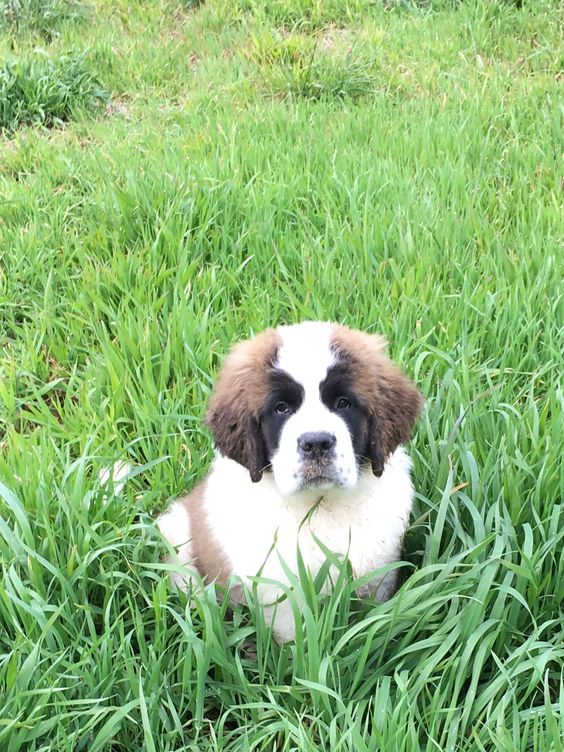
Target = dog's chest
(257,528)
(345,531)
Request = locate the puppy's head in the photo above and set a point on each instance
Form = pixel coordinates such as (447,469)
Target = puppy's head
(312,403)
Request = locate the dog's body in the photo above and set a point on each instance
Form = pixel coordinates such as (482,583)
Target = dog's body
(307,422)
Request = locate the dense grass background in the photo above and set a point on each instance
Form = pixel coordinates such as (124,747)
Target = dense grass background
(394,166)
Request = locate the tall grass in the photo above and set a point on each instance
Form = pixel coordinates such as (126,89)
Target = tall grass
(134,250)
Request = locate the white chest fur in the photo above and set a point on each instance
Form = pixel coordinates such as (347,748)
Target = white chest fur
(257,526)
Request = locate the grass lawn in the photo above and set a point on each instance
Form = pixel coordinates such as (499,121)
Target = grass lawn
(177,175)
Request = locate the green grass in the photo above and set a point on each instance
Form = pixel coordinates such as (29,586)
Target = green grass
(311,68)
(44,17)
(47,91)
(210,201)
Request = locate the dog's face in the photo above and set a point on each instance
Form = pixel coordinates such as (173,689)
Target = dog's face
(313,423)
(312,403)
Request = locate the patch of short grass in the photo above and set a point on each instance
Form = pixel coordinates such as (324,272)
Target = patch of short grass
(47,91)
(314,15)
(313,68)
(41,16)
(308,15)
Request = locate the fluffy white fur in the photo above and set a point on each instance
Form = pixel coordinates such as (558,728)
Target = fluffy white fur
(257,526)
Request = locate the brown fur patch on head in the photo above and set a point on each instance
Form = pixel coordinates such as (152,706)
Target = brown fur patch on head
(393,402)
(239,397)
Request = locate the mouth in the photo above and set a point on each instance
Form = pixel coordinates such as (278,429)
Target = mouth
(319,478)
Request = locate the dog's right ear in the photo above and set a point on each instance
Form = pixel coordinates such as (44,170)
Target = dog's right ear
(237,435)
(238,400)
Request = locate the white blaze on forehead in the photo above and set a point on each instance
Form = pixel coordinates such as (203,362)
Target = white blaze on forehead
(305,353)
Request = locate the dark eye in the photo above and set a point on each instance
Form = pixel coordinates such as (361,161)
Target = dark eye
(281,407)
(342,403)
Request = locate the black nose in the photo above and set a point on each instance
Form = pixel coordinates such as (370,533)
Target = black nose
(316,442)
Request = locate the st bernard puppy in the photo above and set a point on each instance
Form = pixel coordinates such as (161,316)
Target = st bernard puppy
(307,421)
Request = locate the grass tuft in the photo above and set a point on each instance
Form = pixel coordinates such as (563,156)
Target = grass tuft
(48,91)
(308,68)
(41,16)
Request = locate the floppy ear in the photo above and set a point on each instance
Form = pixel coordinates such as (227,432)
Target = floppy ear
(238,400)
(392,401)
(238,436)
(395,408)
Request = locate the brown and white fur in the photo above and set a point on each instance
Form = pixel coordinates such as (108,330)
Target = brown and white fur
(307,421)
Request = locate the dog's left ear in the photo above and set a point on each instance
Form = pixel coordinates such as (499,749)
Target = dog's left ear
(392,400)
(395,407)
(240,394)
